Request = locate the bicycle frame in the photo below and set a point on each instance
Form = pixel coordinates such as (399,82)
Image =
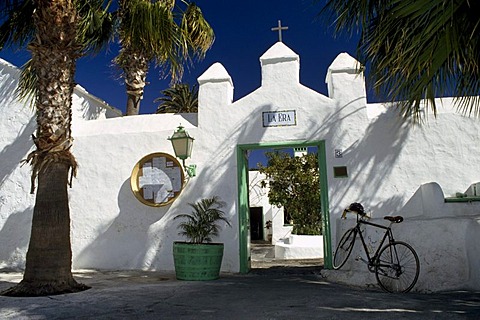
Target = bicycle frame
(388,234)
(395,263)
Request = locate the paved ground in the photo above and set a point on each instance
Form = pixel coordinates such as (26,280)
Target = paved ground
(261,295)
(293,290)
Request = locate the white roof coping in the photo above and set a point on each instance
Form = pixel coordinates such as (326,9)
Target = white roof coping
(8,64)
(79,89)
(279,52)
(344,63)
(216,73)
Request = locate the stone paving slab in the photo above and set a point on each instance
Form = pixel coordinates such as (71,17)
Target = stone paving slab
(260,295)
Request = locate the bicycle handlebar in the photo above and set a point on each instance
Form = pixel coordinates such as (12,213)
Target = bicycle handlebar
(344,214)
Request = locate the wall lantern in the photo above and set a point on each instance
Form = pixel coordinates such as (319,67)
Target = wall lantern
(182,144)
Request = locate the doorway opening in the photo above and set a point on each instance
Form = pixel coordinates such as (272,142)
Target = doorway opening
(264,229)
(256,223)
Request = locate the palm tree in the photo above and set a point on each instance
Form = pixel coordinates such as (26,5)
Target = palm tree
(58,32)
(202,224)
(417,49)
(178,98)
(148,31)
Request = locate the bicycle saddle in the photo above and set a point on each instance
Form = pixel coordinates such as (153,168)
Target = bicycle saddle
(396,219)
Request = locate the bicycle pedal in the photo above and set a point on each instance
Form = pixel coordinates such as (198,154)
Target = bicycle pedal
(361,259)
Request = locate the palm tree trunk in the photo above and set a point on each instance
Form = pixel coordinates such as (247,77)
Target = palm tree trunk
(54,54)
(135,70)
(49,256)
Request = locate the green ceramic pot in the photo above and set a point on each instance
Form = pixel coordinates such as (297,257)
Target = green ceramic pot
(197,261)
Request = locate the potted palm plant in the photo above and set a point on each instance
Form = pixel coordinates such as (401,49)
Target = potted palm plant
(199,258)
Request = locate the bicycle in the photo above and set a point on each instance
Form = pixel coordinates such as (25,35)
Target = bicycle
(396,265)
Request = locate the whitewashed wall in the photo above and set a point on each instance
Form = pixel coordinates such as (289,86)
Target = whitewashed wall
(387,160)
(17,124)
(16,128)
(444,235)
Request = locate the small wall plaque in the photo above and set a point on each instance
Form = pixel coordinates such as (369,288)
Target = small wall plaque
(340,172)
(279,118)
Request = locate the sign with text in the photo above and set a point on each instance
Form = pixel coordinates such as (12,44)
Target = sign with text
(279,118)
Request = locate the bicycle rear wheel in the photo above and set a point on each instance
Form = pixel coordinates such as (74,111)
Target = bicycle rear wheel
(397,267)
(344,248)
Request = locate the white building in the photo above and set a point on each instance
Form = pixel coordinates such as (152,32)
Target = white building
(366,153)
(262,212)
(270,223)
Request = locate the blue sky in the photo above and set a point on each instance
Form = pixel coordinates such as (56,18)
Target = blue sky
(243,34)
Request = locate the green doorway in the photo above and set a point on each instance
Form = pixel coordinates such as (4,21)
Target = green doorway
(243,206)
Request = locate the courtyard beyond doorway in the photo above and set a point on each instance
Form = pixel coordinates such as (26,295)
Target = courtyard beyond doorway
(263,261)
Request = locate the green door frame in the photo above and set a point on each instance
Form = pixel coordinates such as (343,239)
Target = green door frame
(243,218)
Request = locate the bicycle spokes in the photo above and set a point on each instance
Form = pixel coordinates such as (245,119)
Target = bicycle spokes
(344,249)
(397,267)
(396,264)
(393,271)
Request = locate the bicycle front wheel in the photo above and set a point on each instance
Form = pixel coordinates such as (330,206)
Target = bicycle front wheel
(344,248)
(397,267)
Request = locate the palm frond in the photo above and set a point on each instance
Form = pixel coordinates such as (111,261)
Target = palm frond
(95,27)
(94,32)
(197,34)
(147,25)
(26,90)
(178,98)
(96,24)
(416,51)
(160,32)
(16,23)
(202,223)
(151,29)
